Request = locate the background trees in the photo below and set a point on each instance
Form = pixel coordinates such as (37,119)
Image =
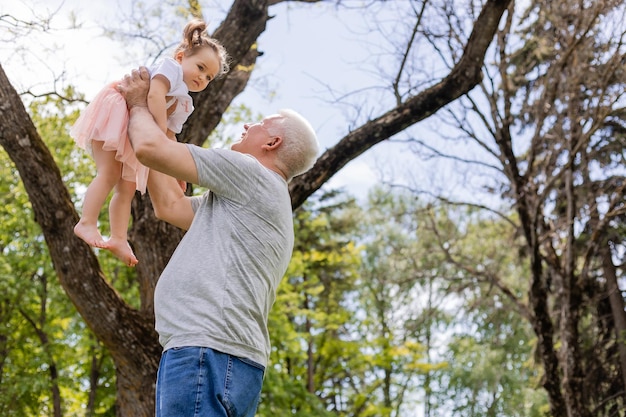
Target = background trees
(388,303)
(548,122)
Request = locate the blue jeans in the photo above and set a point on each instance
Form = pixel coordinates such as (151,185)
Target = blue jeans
(198,381)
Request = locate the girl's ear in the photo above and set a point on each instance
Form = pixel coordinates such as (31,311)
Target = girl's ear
(179,56)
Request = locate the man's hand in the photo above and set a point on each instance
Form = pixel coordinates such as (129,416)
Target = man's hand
(134,88)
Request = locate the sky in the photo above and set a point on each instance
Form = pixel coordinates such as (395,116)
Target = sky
(308,50)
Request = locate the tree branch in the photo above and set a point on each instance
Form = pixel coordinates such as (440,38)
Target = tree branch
(465,75)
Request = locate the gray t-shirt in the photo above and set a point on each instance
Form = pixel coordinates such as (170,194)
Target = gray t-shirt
(220,283)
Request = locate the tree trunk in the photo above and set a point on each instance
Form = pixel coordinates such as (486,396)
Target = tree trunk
(538,293)
(570,303)
(39,327)
(94,376)
(616,300)
(544,329)
(310,364)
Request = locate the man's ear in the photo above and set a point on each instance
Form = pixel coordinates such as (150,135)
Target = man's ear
(273,143)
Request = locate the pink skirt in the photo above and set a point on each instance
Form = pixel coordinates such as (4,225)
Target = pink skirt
(105,119)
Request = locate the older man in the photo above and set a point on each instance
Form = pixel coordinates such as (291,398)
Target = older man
(213,299)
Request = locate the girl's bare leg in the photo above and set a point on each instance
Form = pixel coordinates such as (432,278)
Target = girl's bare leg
(119,216)
(108,174)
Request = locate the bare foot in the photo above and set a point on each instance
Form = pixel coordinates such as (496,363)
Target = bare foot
(122,250)
(89,234)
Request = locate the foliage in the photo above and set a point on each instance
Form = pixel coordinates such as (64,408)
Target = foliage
(46,345)
(312,348)
(403,302)
(490,352)
(544,135)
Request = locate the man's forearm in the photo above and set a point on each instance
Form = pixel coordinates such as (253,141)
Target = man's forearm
(144,134)
(168,200)
(148,141)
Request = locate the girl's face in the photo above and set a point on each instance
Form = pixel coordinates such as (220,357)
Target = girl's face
(199,69)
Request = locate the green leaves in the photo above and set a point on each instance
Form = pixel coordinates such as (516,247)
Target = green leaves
(50,360)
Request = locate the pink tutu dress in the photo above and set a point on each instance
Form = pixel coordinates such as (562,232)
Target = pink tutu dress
(106,119)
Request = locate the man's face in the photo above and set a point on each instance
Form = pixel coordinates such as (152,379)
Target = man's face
(256,135)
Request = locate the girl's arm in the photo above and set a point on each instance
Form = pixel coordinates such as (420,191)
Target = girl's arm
(159,86)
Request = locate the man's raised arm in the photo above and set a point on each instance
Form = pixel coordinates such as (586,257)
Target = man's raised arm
(166,159)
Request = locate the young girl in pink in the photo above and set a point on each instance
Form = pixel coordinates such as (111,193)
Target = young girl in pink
(102,130)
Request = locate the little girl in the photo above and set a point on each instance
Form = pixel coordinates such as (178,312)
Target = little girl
(102,130)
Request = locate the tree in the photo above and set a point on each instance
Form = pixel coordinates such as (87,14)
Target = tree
(491,366)
(314,350)
(51,364)
(548,120)
(580,75)
(127,332)
(400,286)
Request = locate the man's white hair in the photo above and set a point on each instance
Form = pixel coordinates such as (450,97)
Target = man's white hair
(299,149)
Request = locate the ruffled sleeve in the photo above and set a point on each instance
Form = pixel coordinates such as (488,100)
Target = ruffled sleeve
(172,70)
